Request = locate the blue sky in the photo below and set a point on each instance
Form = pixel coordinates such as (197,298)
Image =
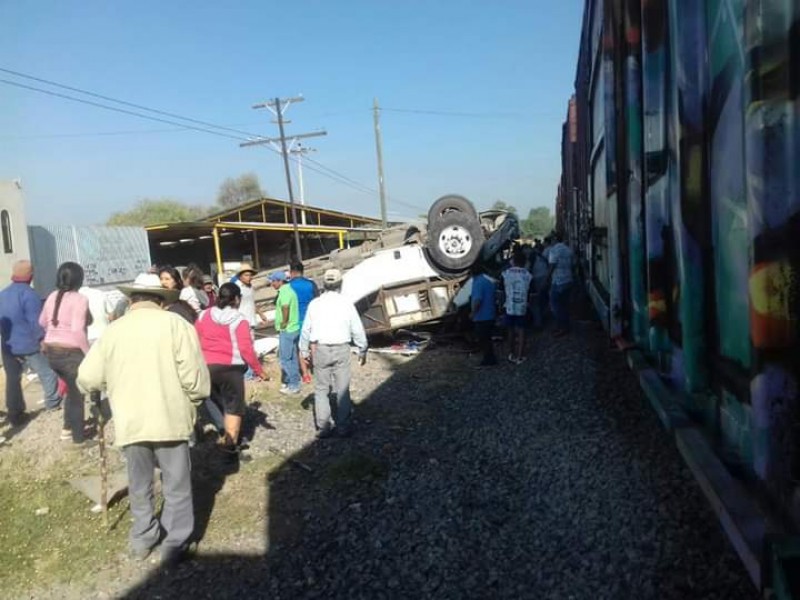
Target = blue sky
(511,63)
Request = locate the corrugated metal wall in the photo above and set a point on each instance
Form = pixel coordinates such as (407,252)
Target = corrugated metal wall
(109,255)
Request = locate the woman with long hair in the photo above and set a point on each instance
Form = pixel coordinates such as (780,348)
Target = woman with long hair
(65,318)
(228,349)
(171,280)
(192,291)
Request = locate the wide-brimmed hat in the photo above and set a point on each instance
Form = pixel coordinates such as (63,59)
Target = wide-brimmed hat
(245,268)
(149,283)
(332,276)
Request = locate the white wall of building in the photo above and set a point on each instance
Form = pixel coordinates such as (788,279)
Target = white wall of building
(13,228)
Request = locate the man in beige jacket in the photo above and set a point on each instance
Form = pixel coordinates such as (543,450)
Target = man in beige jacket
(150,364)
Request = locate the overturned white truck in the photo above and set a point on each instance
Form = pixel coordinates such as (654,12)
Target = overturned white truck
(412,273)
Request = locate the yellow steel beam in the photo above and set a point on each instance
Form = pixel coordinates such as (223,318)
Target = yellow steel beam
(322,211)
(255,249)
(282,227)
(264,201)
(341,240)
(217,252)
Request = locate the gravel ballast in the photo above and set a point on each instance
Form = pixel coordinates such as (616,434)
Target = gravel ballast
(551,479)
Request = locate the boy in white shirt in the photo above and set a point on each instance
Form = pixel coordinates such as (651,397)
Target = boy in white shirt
(516,282)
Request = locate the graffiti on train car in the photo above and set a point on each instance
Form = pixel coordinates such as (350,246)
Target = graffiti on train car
(700,143)
(772,150)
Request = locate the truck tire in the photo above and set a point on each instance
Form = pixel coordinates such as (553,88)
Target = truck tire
(449,204)
(454,242)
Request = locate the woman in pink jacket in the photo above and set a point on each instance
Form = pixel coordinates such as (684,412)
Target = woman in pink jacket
(64,318)
(228,349)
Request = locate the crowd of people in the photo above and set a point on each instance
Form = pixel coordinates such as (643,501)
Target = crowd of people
(540,276)
(171,342)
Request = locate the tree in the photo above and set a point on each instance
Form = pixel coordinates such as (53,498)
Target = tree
(538,224)
(500,205)
(236,191)
(153,212)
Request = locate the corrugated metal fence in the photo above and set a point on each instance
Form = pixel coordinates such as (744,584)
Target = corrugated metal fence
(109,255)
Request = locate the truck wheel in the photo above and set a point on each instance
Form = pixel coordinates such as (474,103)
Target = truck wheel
(454,242)
(449,204)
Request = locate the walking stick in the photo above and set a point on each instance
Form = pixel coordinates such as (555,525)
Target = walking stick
(101,439)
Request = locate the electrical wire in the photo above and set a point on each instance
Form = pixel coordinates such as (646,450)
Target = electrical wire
(123,102)
(114,108)
(91,134)
(320,168)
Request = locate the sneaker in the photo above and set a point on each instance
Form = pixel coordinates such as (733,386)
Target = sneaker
(521,360)
(306,379)
(290,391)
(283,388)
(66,435)
(512,359)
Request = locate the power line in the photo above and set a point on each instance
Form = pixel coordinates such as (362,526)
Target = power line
(123,102)
(87,134)
(114,108)
(34,136)
(321,170)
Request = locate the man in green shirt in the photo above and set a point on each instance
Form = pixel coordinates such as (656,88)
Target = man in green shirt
(287,324)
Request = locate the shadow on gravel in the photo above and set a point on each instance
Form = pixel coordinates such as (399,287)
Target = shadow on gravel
(14,430)
(320,495)
(508,483)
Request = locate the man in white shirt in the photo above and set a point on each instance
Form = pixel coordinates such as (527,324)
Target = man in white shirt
(517,283)
(247,305)
(97,308)
(331,323)
(560,259)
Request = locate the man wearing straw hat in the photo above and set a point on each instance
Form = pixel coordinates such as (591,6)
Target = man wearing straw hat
(247,305)
(151,365)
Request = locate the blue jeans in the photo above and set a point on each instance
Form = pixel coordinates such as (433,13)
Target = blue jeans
(559,304)
(287,352)
(14,366)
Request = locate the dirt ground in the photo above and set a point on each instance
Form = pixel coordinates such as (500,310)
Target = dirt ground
(457,482)
(52,545)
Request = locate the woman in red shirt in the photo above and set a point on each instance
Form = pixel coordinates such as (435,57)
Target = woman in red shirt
(228,349)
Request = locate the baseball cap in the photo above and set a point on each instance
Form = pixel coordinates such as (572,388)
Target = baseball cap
(277,276)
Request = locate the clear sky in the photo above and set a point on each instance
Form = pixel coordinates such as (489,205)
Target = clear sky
(507,66)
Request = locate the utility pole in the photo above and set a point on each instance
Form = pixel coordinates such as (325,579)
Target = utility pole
(376,112)
(300,151)
(278,107)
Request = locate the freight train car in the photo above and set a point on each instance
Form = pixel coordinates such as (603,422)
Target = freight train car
(681,194)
